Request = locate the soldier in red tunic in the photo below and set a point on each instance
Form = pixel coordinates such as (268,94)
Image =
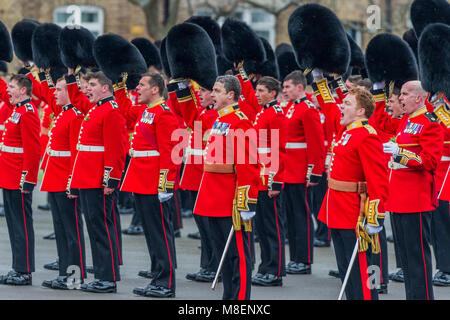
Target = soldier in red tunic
(357,188)
(416,153)
(229,187)
(96,173)
(305,152)
(151,175)
(19,165)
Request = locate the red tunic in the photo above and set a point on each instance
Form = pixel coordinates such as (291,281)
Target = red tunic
(101,155)
(151,168)
(304,143)
(356,157)
(218,190)
(197,120)
(20,146)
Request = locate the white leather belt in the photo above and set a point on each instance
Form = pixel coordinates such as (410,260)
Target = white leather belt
(12,149)
(144,153)
(296,145)
(445,158)
(263,150)
(82,147)
(396,166)
(55,153)
(196,152)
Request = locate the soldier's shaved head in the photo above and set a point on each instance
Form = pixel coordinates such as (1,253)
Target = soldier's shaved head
(412,96)
(415,87)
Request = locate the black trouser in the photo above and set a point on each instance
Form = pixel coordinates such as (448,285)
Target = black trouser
(315,199)
(381,259)
(158,231)
(413,238)
(208,258)
(236,269)
(440,236)
(117,226)
(19,219)
(68,225)
(271,235)
(300,227)
(100,222)
(357,287)
(175,206)
(394,236)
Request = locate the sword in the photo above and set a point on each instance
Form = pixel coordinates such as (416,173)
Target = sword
(225,250)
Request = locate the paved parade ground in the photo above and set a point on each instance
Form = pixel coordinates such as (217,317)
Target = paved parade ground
(317,286)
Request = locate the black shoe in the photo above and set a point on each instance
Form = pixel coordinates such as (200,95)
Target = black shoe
(205,276)
(146,274)
(50,236)
(52,266)
(186,213)
(383,289)
(5,277)
(191,276)
(194,235)
(257,276)
(133,230)
(397,276)
(2,212)
(177,233)
(334,273)
(99,286)
(44,207)
(268,280)
(299,268)
(90,269)
(20,279)
(390,238)
(158,292)
(441,279)
(321,243)
(58,283)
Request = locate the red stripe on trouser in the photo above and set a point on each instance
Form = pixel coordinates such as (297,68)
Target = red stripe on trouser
(242,265)
(117,237)
(26,234)
(307,225)
(167,245)
(109,239)
(423,256)
(279,238)
(79,240)
(364,275)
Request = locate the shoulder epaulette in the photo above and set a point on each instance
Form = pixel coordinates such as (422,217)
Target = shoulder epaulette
(370,129)
(241,115)
(29,107)
(432,116)
(164,107)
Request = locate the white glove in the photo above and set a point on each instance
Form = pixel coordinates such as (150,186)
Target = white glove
(317,73)
(378,85)
(391,147)
(371,230)
(164,196)
(247,215)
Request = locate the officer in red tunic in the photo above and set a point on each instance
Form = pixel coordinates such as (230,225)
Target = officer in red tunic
(229,188)
(357,189)
(96,172)
(19,165)
(151,176)
(271,127)
(199,115)
(304,168)
(416,153)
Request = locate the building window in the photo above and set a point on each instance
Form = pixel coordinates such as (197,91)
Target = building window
(354,30)
(90,17)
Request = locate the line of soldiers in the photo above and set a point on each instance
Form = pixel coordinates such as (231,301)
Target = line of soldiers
(256,150)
